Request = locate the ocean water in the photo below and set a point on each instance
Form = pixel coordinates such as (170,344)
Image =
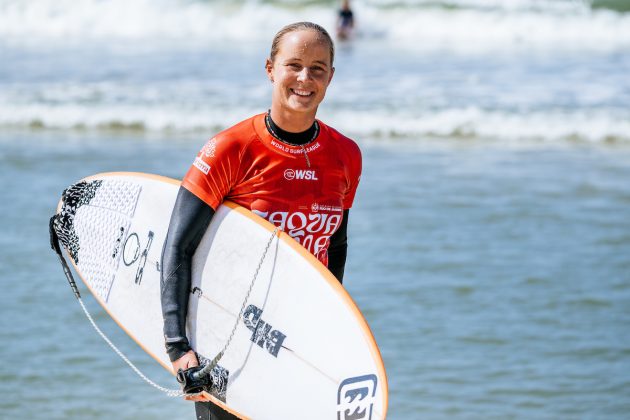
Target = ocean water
(490,237)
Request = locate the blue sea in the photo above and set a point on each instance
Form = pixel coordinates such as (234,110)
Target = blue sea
(490,237)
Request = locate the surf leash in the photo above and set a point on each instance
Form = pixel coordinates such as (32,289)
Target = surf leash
(54,244)
(197,375)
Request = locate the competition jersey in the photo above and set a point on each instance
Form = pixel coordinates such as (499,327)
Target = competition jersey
(303,190)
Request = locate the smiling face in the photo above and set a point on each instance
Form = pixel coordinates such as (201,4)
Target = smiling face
(300,72)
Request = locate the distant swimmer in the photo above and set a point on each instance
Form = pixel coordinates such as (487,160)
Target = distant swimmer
(345,21)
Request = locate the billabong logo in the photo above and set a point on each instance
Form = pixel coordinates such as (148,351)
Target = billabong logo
(305,174)
(355,398)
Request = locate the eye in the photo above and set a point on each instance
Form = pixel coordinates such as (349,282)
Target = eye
(295,66)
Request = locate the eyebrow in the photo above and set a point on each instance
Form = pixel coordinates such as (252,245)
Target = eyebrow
(323,63)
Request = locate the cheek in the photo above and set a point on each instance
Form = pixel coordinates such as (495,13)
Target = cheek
(282,76)
(323,82)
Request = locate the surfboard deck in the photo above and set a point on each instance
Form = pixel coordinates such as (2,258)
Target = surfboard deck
(301,349)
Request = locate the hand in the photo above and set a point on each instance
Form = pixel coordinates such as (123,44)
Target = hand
(188,361)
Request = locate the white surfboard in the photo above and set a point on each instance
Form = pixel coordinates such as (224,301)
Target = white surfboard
(301,349)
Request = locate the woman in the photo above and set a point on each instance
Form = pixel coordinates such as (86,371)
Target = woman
(283,165)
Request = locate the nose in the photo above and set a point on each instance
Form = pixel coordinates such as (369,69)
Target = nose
(304,74)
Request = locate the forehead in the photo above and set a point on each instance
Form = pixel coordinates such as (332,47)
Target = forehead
(302,42)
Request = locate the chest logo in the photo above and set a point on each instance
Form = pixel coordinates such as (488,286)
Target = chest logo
(304,174)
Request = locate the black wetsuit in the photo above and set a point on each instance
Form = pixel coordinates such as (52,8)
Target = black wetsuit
(346,18)
(189,221)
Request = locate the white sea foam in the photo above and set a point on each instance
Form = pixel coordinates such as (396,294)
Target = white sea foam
(542,93)
(474,123)
(595,126)
(83,21)
(468,25)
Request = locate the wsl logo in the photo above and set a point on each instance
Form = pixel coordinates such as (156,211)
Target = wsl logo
(307,175)
(355,398)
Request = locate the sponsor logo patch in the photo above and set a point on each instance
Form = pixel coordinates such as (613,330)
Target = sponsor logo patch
(201,165)
(311,230)
(315,207)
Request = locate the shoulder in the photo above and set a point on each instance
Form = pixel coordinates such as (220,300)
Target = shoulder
(237,137)
(344,143)
(242,131)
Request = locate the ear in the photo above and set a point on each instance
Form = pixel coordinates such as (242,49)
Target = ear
(332,72)
(269,69)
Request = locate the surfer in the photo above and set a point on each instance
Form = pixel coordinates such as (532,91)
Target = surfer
(345,21)
(284,165)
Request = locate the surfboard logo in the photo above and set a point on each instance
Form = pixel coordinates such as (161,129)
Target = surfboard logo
(355,398)
(263,333)
(132,252)
(118,243)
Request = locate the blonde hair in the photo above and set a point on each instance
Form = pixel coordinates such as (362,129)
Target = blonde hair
(298,26)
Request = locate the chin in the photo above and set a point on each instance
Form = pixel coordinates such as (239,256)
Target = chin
(302,108)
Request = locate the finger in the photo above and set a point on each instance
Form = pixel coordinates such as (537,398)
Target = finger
(193,359)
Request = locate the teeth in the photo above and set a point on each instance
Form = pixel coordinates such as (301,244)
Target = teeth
(301,92)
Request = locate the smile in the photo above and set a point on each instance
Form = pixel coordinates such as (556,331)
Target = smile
(303,93)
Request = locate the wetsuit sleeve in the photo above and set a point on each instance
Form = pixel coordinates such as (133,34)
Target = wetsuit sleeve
(338,249)
(189,221)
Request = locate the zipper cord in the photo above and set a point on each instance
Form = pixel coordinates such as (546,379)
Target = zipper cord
(308,161)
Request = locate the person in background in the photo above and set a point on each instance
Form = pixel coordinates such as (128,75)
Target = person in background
(345,21)
(254,164)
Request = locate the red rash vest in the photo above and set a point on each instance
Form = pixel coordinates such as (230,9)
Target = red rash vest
(303,190)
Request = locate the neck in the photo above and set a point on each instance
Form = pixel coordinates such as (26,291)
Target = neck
(293,122)
(294,139)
